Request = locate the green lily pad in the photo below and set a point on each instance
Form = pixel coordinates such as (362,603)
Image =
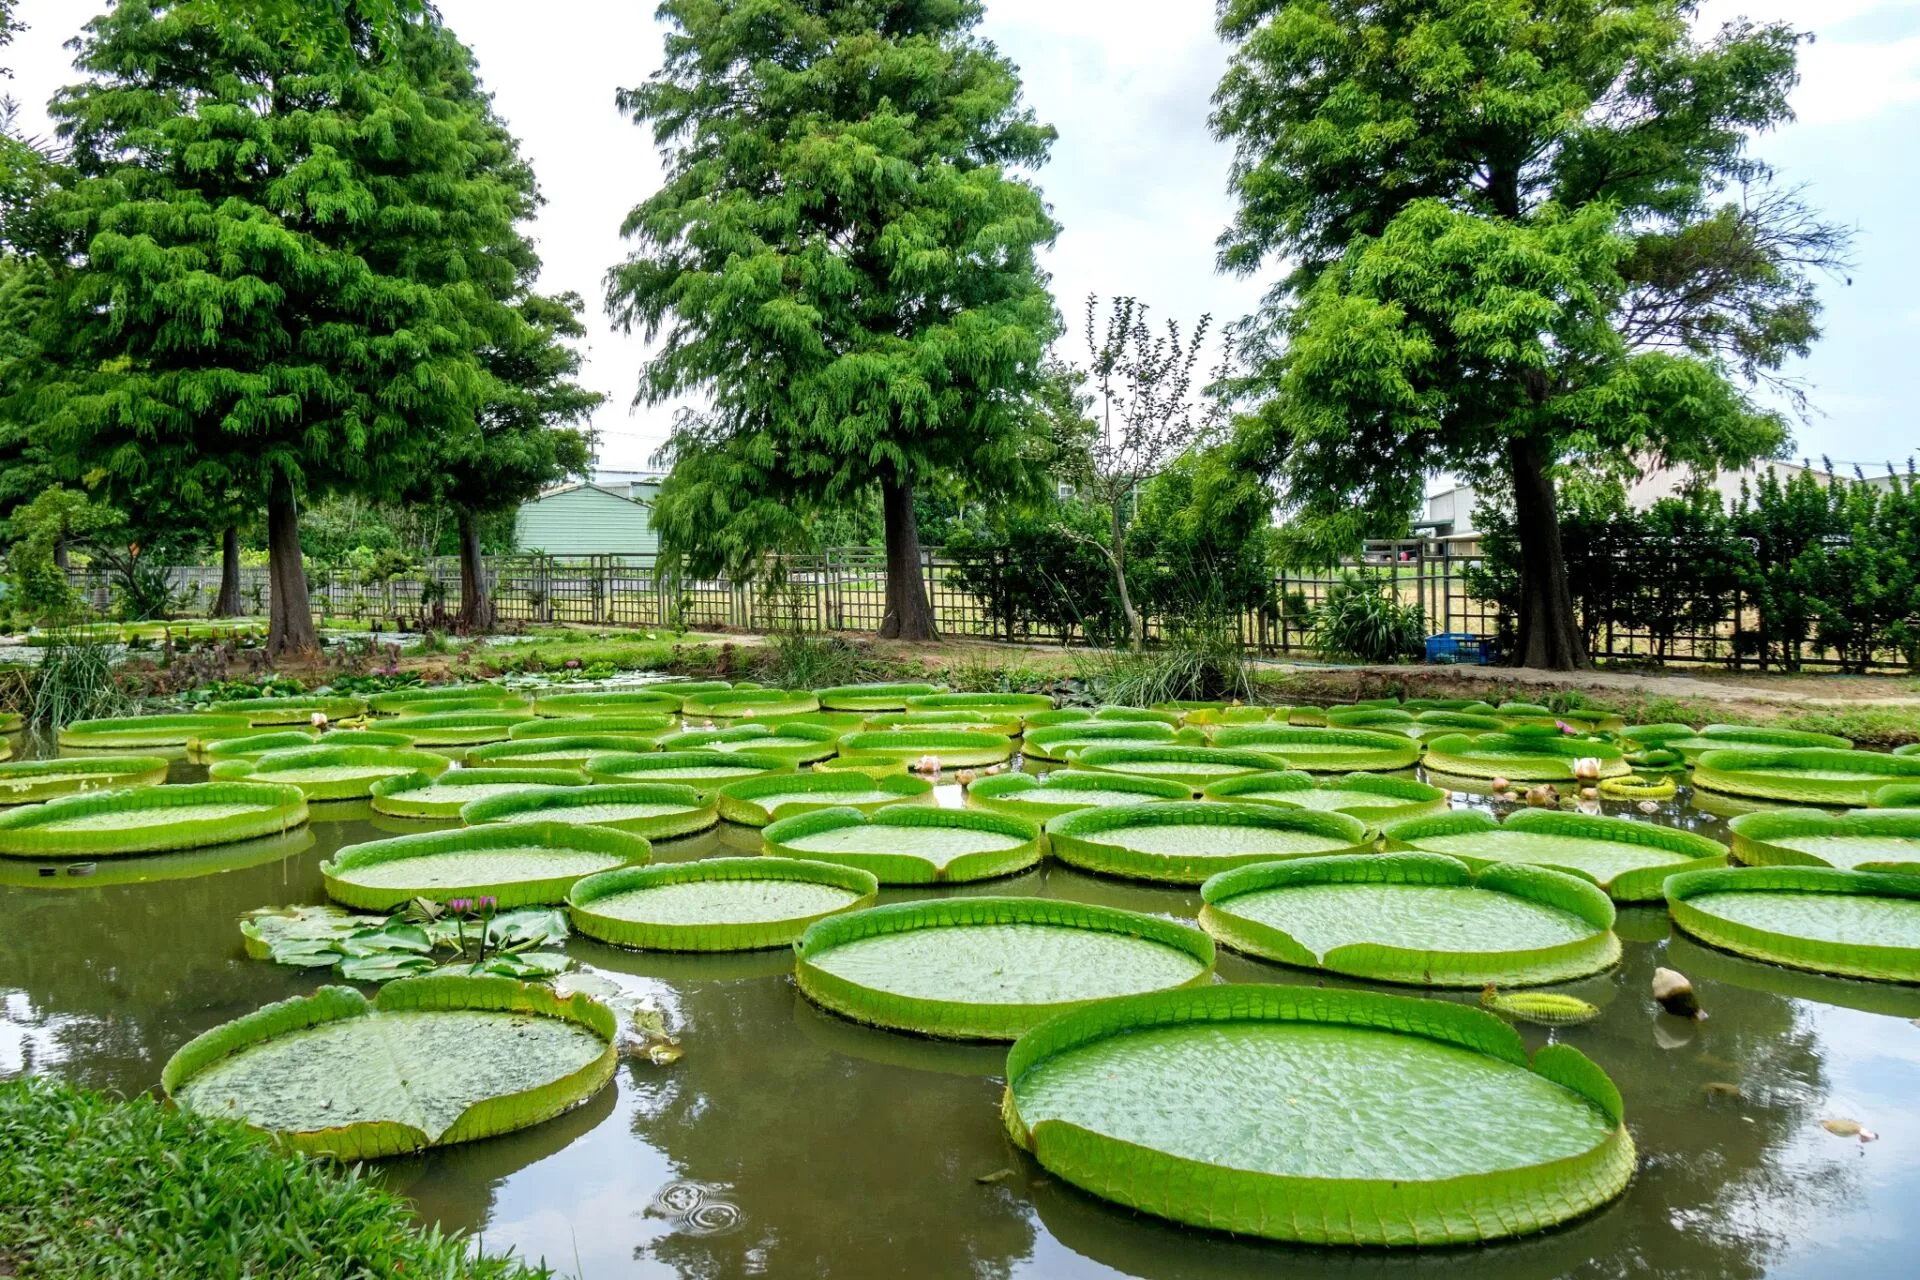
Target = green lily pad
(331,773)
(568,752)
(1415,918)
(1326,1117)
(429,1062)
(703,770)
(1898,795)
(716,904)
(1187,842)
(1195,767)
(31,781)
(953,748)
(150,820)
(293,710)
(1691,743)
(255,745)
(990,968)
(147,731)
(908,843)
(749,704)
(636,725)
(423,795)
(1007,724)
(1068,791)
(656,810)
(1017,703)
(1061,742)
(1173,719)
(457,728)
(1630,860)
(1854,923)
(1369,797)
(1521,758)
(873,697)
(59,871)
(1865,840)
(447,698)
(1804,775)
(796,744)
(755,802)
(653,700)
(516,863)
(1330,750)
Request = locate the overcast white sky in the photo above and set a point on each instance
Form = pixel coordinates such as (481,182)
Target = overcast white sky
(1139,185)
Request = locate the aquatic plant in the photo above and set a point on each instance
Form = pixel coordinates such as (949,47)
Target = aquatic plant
(1854,923)
(656,810)
(909,843)
(1630,860)
(716,904)
(1370,797)
(1188,841)
(150,820)
(1805,775)
(1068,791)
(757,801)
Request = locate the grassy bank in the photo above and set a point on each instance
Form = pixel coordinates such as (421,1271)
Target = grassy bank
(91,1187)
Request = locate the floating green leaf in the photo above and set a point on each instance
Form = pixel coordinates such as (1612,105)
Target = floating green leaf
(1630,860)
(423,795)
(1068,791)
(1542,1008)
(1327,1117)
(1017,703)
(990,968)
(452,697)
(1060,742)
(1898,795)
(430,1061)
(1328,750)
(148,731)
(796,744)
(910,844)
(255,745)
(716,904)
(1861,841)
(1854,923)
(331,773)
(1414,918)
(31,781)
(569,752)
(1523,759)
(1806,775)
(653,700)
(1007,724)
(656,810)
(457,728)
(1370,797)
(1690,743)
(953,748)
(755,802)
(1194,767)
(636,726)
(515,863)
(703,770)
(750,704)
(150,820)
(873,697)
(294,710)
(1187,842)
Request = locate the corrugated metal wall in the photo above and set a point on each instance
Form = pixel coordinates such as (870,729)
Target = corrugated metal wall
(586,522)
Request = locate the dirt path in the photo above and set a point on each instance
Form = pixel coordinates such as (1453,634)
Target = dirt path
(1797,691)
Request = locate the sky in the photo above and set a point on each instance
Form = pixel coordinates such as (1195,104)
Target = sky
(1138,183)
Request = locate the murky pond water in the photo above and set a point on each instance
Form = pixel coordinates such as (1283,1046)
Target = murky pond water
(788,1143)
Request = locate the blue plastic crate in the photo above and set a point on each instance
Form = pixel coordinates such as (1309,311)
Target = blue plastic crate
(1460,648)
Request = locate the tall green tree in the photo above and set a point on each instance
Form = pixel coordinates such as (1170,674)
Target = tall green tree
(1524,234)
(841,264)
(279,248)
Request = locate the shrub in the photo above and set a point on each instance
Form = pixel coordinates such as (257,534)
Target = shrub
(1363,619)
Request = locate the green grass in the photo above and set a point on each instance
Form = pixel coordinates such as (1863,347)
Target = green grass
(91,1187)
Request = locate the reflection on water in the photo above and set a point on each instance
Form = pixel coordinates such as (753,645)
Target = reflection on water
(791,1143)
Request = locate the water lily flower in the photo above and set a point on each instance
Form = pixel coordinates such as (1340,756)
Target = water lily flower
(965,777)
(1586,767)
(459,905)
(928,764)
(319,719)
(488,903)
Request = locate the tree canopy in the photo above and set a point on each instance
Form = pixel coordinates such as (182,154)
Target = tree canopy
(841,264)
(1523,234)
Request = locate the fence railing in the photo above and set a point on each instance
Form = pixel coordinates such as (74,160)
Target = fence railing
(845,590)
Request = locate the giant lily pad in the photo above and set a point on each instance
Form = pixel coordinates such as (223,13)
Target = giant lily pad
(428,1062)
(31,781)
(1523,758)
(1910,749)
(147,731)
(1063,741)
(255,745)
(873,697)
(1068,791)
(637,725)
(755,802)
(657,810)
(1328,1117)
(609,702)
(953,748)
(331,773)
(65,872)
(750,704)
(423,795)
(1691,743)
(1898,795)
(1804,775)
(1020,704)
(1417,918)
(568,752)
(447,698)
(1329,750)
(12,722)
(1193,767)
(150,820)
(1187,842)
(716,904)
(292,710)
(1630,860)
(910,844)
(1378,719)
(1428,725)
(796,744)
(1369,797)
(457,728)
(1124,714)
(1007,724)
(704,770)
(990,968)
(516,863)
(1854,923)
(1865,840)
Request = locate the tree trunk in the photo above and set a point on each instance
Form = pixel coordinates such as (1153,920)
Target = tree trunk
(227,605)
(1549,637)
(909,612)
(1117,557)
(290,629)
(476,602)
(60,553)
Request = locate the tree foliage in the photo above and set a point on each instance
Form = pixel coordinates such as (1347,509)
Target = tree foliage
(841,263)
(1523,234)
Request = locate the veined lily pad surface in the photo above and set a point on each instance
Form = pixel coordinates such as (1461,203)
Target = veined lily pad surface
(1898,795)
(255,745)
(331,773)
(295,710)
(1521,758)
(1415,918)
(716,904)
(608,702)
(1068,791)
(1008,724)
(1690,743)
(1805,775)
(457,728)
(430,1061)
(1854,923)
(704,770)
(571,752)
(872,697)
(1369,797)
(657,810)
(1330,750)
(636,725)
(150,819)
(990,968)
(1861,841)
(516,863)
(910,844)
(452,697)
(422,795)
(1061,742)
(749,704)
(1630,860)
(796,744)
(954,748)
(1018,703)
(1187,842)
(1911,749)
(31,781)
(755,802)
(147,731)
(1195,767)
(1328,1117)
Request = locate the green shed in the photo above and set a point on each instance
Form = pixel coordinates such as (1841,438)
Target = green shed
(584,519)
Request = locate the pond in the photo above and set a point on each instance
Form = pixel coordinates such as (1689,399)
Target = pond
(787,1142)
